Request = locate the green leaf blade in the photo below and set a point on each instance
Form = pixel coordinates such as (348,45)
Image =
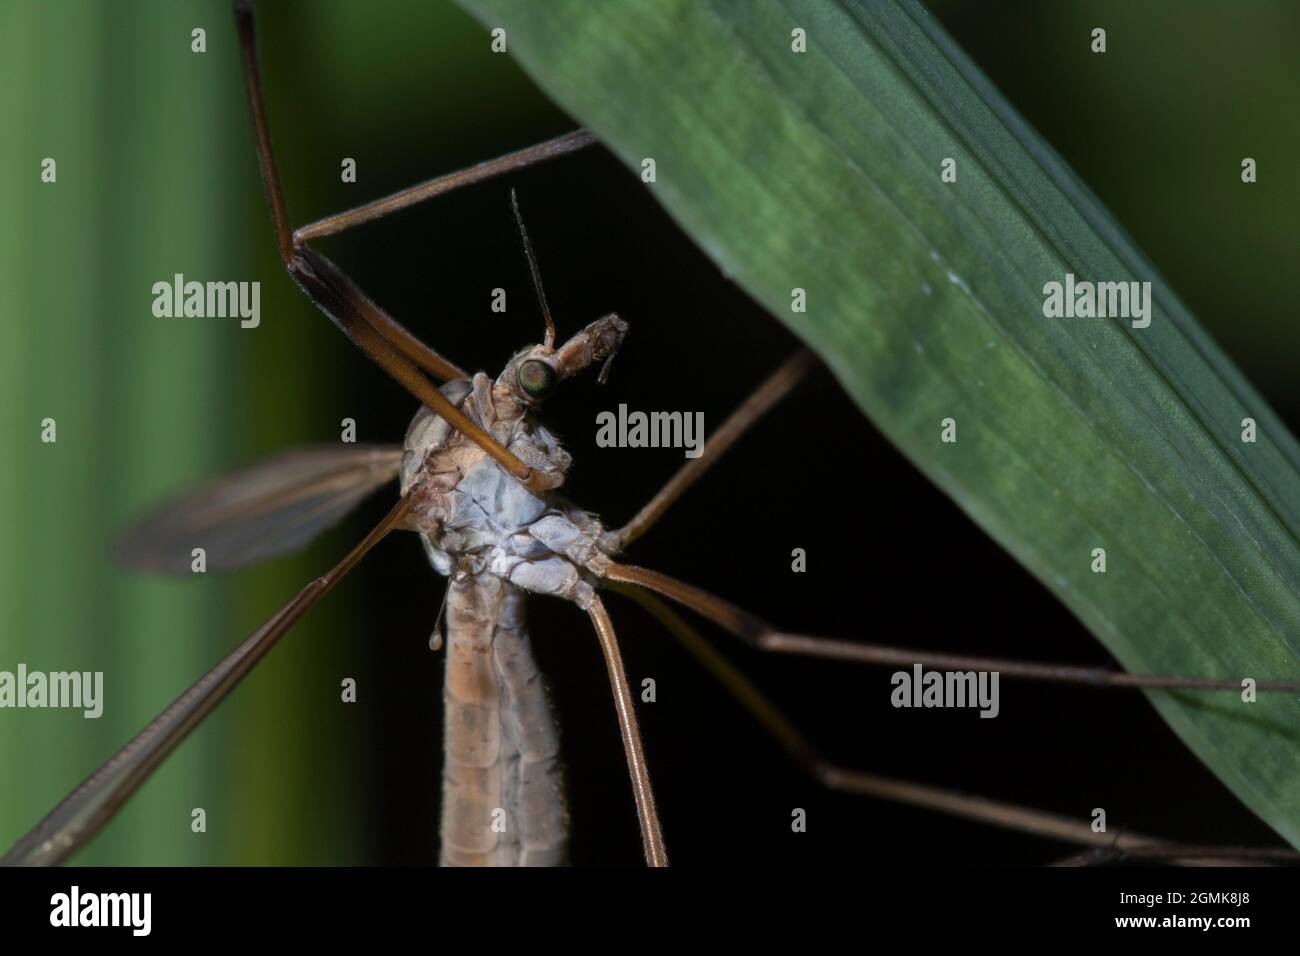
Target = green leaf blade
(821,171)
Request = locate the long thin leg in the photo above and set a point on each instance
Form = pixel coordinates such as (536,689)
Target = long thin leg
(82,814)
(777,385)
(326,286)
(429,189)
(383,339)
(1190,854)
(756,632)
(652,837)
(341,313)
(1009,816)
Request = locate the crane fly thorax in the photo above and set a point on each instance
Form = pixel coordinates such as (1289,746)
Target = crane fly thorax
(437,456)
(473,514)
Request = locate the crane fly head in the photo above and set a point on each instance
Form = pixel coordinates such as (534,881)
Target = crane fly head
(532,375)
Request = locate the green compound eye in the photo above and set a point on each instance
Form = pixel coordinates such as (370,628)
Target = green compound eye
(536,378)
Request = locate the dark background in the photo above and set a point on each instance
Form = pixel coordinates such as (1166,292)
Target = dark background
(890,559)
(1157,131)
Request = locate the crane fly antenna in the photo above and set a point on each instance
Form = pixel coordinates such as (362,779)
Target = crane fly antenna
(536,270)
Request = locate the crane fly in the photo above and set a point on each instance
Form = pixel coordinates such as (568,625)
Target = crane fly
(479,479)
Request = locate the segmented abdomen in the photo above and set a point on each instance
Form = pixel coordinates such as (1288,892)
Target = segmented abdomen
(502,794)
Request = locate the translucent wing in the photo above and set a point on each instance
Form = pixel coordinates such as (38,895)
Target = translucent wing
(268,509)
(82,814)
